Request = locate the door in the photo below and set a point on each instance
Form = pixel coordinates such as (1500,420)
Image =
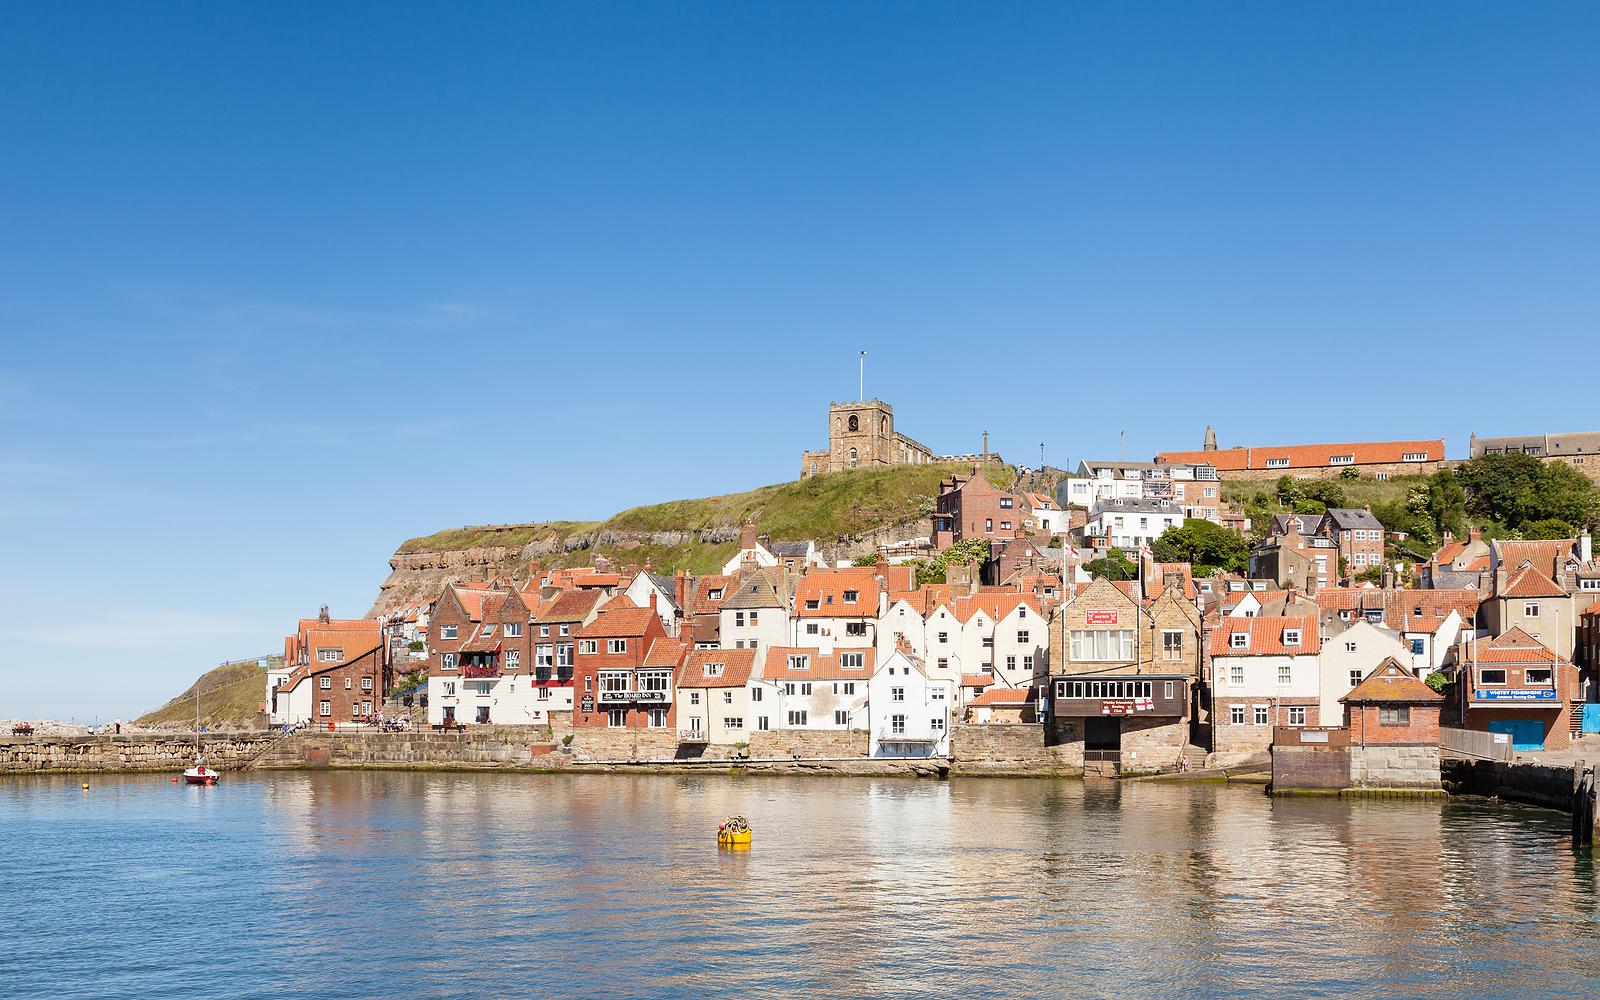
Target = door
(1102,733)
(1526,734)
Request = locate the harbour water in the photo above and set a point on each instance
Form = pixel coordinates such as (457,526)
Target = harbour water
(358,884)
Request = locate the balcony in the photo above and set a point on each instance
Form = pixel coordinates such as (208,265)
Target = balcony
(694,737)
(480,670)
(631,697)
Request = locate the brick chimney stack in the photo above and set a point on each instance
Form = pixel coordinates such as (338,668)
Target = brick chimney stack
(322,615)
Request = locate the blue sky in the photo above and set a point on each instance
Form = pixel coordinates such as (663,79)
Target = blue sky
(282,285)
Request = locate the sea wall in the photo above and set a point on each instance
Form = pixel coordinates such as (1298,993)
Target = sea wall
(1010,749)
(1530,784)
(33,754)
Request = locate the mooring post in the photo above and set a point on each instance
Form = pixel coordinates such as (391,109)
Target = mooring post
(1592,809)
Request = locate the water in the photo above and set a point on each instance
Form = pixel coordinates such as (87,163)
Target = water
(441,885)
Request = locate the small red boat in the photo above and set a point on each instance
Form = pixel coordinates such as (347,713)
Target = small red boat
(200,775)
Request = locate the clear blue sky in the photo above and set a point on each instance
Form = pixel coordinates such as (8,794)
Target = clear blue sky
(282,285)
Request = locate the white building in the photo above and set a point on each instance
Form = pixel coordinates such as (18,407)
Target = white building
(755,615)
(663,590)
(908,713)
(714,696)
(816,687)
(1264,672)
(1348,657)
(1128,524)
(842,605)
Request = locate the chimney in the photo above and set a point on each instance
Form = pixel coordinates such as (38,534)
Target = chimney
(748,536)
(1585,546)
(1474,535)
(902,644)
(535,569)
(652,598)
(322,616)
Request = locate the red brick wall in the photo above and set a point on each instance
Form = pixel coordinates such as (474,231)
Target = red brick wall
(586,678)
(344,699)
(1366,730)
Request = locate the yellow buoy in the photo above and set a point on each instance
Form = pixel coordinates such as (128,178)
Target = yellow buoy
(734,832)
(86,786)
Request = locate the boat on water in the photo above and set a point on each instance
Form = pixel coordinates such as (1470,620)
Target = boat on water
(199,774)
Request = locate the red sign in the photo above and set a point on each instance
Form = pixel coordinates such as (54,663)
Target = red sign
(1102,616)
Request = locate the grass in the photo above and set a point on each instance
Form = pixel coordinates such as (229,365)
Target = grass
(1357,492)
(231,693)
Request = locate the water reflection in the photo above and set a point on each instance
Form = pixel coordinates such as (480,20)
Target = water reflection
(377,883)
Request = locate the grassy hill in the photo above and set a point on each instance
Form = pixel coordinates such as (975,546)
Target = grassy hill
(825,507)
(229,694)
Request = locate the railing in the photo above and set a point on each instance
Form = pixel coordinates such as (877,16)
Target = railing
(889,736)
(693,736)
(479,670)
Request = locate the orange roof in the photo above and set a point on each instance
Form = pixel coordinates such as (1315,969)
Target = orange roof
(1039,501)
(665,651)
(735,672)
(995,604)
(617,623)
(1004,696)
(1593,609)
(1529,582)
(925,598)
(1547,555)
(1266,636)
(820,666)
(1511,646)
(1400,607)
(1450,550)
(977,680)
(828,591)
(703,603)
(572,606)
(1308,456)
(1390,681)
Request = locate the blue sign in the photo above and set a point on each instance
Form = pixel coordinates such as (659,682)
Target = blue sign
(1514,694)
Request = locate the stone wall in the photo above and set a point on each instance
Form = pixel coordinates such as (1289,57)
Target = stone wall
(1011,748)
(1532,784)
(1300,768)
(20,755)
(810,743)
(1393,766)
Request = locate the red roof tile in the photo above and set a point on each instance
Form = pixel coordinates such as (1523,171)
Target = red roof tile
(1511,646)
(618,623)
(1529,582)
(820,667)
(1266,636)
(1307,456)
(1390,681)
(736,667)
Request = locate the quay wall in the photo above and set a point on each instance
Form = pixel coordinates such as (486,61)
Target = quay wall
(87,754)
(1530,784)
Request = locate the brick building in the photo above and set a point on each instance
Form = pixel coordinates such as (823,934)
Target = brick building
(619,680)
(973,507)
(1514,684)
(1265,672)
(335,671)
(1393,723)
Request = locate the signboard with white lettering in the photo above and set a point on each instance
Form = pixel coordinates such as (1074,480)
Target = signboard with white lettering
(1102,616)
(588,703)
(1514,694)
(1126,706)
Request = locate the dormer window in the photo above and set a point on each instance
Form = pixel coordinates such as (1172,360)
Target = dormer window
(1239,640)
(799,662)
(715,669)
(1414,456)
(715,595)
(1291,637)
(852,596)
(1342,460)
(813,605)
(852,661)
(1277,463)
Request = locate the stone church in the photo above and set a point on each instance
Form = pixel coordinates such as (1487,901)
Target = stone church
(861,434)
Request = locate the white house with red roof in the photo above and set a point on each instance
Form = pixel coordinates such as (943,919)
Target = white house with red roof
(714,694)
(814,688)
(1348,655)
(1265,672)
(843,605)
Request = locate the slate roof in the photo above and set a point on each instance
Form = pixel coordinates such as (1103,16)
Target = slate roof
(1352,518)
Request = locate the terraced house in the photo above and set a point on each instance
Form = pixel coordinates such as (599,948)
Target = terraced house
(1265,672)
(334,671)
(614,685)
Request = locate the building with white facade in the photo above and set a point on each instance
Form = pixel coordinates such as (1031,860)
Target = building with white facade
(1347,658)
(908,712)
(1264,672)
(815,687)
(1128,524)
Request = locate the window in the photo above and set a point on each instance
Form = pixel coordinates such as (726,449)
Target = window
(564,654)
(1291,637)
(944,663)
(546,656)
(852,661)
(1260,714)
(755,617)
(761,723)
(1005,503)
(936,693)
(797,718)
(1210,491)
(1537,675)
(813,605)
(566,628)
(1236,715)
(805,687)
(944,637)
(513,630)
(614,681)
(616,718)
(1236,674)
(325,708)
(1491,677)
(849,687)
(1355,677)
(852,596)
(447,631)
(1285,674)
(855,628)
(330,655)
(811,629)
(897,694)
(1171,645)
(1027,662)
(513,659)
(1399,715)
(841,717)
(936,724)
(449,687)
(544,631)
(988,524)
(655,680)
(727,697)
(1297,715)
(1341,460)
(1102,644)
(366,683)
(1239,640)
(1022,638)
(1276,463)
(1011,663)
(1168,694)
(1414,456)
(1530,609)
(897,725)
(1005,525)
(587,646)
(326,683)
(1418,646)
(755,694)
(355,709)
(658,718)
(694,697)
(616,645)
(1349,647)
(543,693)
(799,662)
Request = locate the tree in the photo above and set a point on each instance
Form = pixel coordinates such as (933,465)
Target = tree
(868,559)
(1517,489)
(1112,566)
(967,550)
(1548,527)
(1447,503)
(1206,546)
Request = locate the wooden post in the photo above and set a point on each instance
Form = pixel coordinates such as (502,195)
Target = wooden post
(1592,808)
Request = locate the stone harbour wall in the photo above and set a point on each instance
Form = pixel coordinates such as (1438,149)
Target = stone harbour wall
(1010,749)
(87,754)
(1531,784)
(1394,767)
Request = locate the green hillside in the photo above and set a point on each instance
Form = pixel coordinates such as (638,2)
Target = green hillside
(824,507)
(229,694)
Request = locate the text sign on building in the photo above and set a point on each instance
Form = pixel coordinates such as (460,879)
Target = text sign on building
(588,703)
(1102,616)
(1514,694)
(1126,706)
